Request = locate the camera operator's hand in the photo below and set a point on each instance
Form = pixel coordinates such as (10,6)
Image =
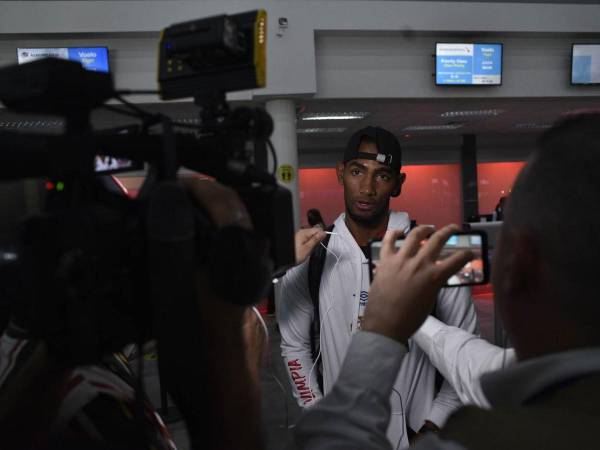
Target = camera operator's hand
(306,240)
(221,202)
(408,280)
(225,336)
(236,258)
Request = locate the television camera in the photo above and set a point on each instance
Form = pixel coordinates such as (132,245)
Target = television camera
(96,267)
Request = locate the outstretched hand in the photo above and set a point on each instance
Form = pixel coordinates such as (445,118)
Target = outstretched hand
(221,202)
(227,335)
(408,280)
(306,240)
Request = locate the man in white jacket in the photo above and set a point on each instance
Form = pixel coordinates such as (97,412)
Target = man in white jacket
(370,174)
(544,280)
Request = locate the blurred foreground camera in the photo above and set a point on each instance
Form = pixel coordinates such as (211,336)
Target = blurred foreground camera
(223,53)
(95,262)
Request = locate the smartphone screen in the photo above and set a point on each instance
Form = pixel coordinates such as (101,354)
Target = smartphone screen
(473,273)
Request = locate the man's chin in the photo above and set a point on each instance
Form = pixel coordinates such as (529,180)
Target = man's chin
(365,218)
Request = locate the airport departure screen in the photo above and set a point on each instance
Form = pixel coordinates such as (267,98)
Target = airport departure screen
(468,64)
(585,66)
(91,58)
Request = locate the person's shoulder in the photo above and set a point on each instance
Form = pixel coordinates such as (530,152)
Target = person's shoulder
(520,427)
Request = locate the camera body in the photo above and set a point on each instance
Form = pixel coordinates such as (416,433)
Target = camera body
(95,265)
(217,53)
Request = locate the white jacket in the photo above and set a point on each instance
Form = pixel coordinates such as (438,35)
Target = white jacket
(342,296)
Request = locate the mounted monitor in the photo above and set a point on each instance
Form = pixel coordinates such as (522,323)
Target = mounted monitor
(105,165)
(585,64)
(91,58)
(468,64)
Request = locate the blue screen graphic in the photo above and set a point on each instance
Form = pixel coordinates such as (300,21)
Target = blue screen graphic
(469,64)
(452,240)
(91,58)
(475,240)
(582,70)
(586,64)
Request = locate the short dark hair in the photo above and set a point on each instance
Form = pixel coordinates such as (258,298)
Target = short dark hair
(557,199)
(314,217)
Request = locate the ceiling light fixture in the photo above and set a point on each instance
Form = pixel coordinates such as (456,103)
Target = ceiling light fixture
(320,130)
(473,113)
(188,120)
(446,127)
(334,116)
(31,123)
(533,126)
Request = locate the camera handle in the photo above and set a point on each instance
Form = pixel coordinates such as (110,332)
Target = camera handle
(214,109)
(171,264)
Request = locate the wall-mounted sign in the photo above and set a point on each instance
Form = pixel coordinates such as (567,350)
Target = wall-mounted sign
(468,64)
(286,173)
(91,58)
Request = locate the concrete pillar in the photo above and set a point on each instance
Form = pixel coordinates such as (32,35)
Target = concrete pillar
(468,168)
(285,141)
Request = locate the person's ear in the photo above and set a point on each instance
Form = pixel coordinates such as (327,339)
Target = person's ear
(519,270)
(339,169)
(399,182)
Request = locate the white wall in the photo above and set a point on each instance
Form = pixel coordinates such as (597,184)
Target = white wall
(333,49)
(399,66)
(292,66)
(132,57)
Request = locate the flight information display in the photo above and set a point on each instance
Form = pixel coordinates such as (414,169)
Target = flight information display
(468,64)
(585,64)
(91,58)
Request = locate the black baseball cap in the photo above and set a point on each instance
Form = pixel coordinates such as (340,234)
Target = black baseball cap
(388,147)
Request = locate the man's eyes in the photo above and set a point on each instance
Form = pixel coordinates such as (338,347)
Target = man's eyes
(380,176)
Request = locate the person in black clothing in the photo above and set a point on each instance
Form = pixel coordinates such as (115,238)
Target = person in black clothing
(315,219)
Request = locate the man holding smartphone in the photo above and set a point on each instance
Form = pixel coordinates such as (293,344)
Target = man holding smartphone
(370,173)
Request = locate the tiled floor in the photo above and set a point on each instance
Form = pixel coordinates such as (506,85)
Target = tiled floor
(279,409)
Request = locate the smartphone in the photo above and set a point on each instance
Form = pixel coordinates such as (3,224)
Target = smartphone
(474,272)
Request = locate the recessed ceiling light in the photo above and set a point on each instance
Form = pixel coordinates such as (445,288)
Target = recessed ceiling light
(473,113)
(187,120)
(334,116)
(31,123)
(533,126)
(452,126)
(320,130)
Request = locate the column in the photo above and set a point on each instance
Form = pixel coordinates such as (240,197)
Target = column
(468,167)
(284,139)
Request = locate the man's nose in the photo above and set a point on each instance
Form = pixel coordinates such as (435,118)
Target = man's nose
(367,185)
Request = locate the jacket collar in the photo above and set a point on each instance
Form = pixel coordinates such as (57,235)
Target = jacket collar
(517,384)
(397,220)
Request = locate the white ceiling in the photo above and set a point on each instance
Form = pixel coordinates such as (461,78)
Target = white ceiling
(392,114)
(397,114)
